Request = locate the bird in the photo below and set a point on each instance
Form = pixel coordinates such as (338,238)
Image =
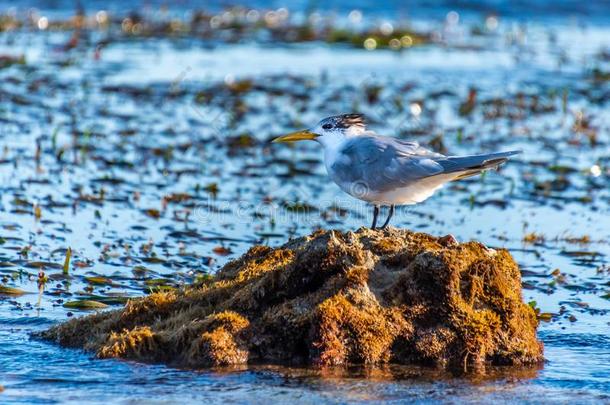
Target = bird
(384,170)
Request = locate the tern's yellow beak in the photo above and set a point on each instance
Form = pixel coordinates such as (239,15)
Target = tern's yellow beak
(296,136)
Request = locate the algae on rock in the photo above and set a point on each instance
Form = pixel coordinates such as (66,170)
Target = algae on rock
(331,298)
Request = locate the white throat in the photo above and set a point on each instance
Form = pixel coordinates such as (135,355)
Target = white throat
(332,144)
(331,140)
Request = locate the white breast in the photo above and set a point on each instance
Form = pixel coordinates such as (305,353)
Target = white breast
(332,145)
(413,193)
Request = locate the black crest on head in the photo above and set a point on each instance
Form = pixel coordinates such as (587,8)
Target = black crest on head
(344,121)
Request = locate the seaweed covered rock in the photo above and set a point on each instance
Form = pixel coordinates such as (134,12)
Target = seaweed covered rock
(331,298)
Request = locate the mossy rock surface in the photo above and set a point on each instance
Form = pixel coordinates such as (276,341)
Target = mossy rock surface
(332,298)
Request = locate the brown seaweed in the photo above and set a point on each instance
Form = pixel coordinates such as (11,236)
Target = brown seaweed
(332,298)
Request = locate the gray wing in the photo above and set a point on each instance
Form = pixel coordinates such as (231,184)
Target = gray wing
(466,166)
(384,164)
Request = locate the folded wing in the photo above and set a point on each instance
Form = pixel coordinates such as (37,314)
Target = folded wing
(384,163)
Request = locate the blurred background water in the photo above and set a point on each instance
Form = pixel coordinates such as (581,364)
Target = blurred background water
(145,151)
(540,10)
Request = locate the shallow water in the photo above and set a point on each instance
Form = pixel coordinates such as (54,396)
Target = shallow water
(156,169)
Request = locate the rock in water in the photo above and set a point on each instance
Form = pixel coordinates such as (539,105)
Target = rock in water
(331,298)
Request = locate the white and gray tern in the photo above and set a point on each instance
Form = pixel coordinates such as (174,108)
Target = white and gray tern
(385,170)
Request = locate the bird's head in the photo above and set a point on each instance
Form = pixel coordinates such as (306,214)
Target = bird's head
(330,129)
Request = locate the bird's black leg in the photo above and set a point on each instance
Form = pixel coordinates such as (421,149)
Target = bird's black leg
(387,221)
(375,215)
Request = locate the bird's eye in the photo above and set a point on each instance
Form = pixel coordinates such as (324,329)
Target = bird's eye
(327,126)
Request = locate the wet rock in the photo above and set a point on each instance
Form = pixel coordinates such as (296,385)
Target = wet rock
(331,298)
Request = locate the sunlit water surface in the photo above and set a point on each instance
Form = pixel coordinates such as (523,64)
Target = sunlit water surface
(153,173)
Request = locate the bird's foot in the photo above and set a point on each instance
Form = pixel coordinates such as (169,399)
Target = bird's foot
(448,240)
(390,214)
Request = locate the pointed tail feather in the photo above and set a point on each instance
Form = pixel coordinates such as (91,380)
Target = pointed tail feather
(466,166)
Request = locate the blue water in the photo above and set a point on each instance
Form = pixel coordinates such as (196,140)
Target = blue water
(539,48)
(36,372)
(540,10)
